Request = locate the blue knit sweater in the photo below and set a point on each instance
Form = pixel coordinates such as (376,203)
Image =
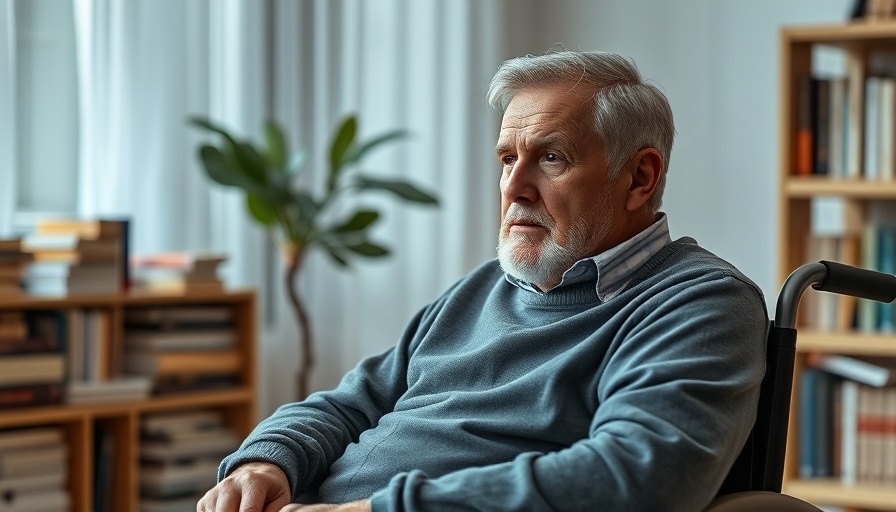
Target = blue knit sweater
(497,399)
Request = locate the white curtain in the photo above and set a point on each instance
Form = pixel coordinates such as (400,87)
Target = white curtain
(423,65)
(144,67)
(7,117)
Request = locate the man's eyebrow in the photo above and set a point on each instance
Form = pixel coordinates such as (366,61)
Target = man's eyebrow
(551,139)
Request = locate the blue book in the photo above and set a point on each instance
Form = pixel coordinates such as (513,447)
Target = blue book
(886,262)
(824,425)
(807,408)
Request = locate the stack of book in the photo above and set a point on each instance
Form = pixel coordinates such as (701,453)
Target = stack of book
(32,364)
(33,470)
(75,256)
(178,272)
(847,419)
(179,457)
(182,348)
(13,264)
(93,366)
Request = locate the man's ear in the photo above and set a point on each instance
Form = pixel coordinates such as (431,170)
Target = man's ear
(646,167)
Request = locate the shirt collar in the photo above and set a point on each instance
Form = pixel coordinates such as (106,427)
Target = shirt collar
(614,267)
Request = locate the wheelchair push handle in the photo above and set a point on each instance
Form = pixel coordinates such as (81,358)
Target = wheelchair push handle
(858,282)
(833,277)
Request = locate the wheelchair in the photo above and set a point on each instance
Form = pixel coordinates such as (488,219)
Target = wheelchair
(754,481)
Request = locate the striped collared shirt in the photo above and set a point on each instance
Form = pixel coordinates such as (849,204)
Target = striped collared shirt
(613,268)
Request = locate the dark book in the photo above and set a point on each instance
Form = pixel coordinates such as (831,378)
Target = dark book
(804,161)
(821,127)
(10,346)
(823,423)
(29,395)
(808,389)
(185,384)
(50,327)
(103,469)
(178,318)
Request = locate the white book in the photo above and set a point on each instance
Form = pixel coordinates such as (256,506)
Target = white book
(178,479)
(889,451)
(162,424)
(855,107)
(886,130)
(25,437)
(49,480)
(849,423)
(836,216)
(215,443)
(872,128)
(113,390)
(205,339)
(32,461)
(53,500)
(871,371)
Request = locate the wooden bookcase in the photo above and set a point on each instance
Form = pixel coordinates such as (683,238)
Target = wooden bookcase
(237,404)
(861,42)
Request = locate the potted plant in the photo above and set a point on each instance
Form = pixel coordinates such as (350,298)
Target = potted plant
(297,218)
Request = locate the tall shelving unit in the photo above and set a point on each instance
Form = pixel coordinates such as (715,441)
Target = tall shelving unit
(860,41)
(79,422)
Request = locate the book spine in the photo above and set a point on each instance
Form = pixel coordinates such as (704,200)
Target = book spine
(849,404)
(30,395)
(808,404)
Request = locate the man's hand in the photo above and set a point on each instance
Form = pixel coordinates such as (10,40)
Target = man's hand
(355,506)
(252,487)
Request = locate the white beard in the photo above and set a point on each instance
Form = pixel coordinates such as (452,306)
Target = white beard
(544,264)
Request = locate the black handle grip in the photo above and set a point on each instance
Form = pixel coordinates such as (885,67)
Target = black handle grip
(858,282)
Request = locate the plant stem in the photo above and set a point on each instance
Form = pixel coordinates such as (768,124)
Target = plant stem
(306,347)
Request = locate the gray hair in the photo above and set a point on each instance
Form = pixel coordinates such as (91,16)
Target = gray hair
(629,114)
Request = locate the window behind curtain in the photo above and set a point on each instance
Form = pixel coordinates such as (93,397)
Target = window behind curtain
(47,109)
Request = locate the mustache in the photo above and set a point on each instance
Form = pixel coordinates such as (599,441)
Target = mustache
(528,214)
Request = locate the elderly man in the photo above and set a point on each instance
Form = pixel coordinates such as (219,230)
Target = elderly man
(595,365)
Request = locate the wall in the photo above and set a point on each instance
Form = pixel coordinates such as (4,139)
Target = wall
(717,60)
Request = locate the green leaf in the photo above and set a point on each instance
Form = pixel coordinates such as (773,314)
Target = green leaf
(261,211)
(357,152)
(361,220)
(344,138)
(217,168)
(307,205)
(203,122)
(276,145)
(335,256)
(250,162)
(368,249)
(400,188)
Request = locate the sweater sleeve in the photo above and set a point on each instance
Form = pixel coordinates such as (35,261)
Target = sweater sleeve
(305,438)
(677,399)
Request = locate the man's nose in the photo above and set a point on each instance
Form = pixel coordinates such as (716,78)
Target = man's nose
(519,185)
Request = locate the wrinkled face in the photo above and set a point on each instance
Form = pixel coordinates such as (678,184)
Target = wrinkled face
(557,203)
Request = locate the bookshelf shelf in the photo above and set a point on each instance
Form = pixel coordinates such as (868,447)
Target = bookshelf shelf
(829,491)
(120,420)
(824,137)
(846,342)
(808,187)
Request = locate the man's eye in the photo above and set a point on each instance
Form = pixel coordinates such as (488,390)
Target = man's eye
(508,160)
(552,157)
